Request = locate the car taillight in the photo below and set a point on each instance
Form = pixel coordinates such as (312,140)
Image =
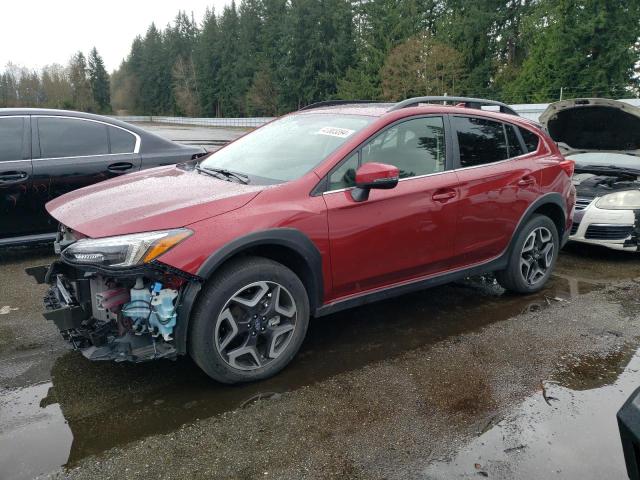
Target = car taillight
(568,166)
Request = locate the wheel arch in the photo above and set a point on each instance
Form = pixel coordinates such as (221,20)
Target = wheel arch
(287,246)
(551,205)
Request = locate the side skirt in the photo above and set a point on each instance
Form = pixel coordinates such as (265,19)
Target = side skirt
(498,263)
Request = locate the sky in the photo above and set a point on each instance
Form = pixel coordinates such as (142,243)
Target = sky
(35,33)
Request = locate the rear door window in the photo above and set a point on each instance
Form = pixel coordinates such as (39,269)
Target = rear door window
(480,141)
(69,137)
(121,140)
(11,138)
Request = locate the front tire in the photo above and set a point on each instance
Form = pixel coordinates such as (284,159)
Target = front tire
(250,321)
(532,258)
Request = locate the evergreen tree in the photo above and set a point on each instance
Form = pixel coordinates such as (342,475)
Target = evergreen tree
(155,74)
(80,86)
(99,81)
(321,48)
(207,64)
(381,25)
(231,97)
(274,49)
(585,47)
(249,45)
(179,42)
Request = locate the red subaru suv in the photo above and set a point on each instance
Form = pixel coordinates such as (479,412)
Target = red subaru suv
(331,207)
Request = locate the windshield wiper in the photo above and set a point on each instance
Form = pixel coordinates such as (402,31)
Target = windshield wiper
(216,172)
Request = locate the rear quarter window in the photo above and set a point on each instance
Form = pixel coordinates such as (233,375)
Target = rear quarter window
(515,147)
(121,141)
(531,140)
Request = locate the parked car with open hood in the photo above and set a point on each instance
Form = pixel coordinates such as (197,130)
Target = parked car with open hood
(331,207)
(602,136)
(47,153)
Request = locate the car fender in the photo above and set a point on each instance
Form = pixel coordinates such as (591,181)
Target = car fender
(289,238)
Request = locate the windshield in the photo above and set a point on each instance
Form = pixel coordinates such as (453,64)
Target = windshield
(287,148)
(604,159)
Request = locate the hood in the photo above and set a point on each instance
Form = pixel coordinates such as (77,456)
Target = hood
(154,199)
(593,125)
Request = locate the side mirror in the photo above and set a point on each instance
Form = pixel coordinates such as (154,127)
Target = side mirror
(374,175)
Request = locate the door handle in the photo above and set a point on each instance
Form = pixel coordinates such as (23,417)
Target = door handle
(120,167)
(12,177)
(526,181)
(444,195)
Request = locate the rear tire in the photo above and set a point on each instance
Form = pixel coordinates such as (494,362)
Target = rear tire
(532,258)
(249,322)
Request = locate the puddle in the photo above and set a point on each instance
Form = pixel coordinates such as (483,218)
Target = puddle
(92,407)
(569,432)
(33,436)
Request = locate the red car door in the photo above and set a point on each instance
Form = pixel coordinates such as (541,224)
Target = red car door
(498,181)
(399,234)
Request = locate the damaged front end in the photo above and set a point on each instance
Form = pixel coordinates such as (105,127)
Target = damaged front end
(114,301)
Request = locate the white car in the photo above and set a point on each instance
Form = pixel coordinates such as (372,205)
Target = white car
(602,136)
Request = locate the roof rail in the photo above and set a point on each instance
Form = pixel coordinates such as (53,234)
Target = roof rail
(332,103)
(468,102)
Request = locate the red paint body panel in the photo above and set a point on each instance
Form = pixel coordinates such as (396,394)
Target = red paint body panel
(491,205)
(397,234)
(423,227)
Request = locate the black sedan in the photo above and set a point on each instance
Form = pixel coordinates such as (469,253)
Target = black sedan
(45,153)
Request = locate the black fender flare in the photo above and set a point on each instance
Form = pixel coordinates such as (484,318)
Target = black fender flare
(553,198)
(289,238)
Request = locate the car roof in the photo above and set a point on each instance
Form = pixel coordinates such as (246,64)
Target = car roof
(69,113)
(380,109)
(153,142)
(53,112)
(369,109)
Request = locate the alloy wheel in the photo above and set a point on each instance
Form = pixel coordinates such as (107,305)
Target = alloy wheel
(256,325)
(537,255)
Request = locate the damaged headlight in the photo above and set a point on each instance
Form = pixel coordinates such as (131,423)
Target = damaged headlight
(126,250)
(626,200)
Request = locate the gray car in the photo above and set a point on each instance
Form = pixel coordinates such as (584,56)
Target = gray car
(46,153)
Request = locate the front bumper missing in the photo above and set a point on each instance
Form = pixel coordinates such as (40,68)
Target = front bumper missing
(68,304)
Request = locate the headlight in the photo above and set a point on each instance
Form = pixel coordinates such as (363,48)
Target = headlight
(126,250)
(627,200)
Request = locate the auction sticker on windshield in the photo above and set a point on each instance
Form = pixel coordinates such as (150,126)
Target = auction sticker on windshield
(335,132)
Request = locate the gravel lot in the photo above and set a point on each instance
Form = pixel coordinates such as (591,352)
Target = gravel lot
(438,384)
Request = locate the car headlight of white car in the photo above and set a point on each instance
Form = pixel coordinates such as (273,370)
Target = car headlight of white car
(124,251)
(627,200)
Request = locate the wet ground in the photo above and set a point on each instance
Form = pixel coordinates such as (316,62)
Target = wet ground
(211,138)
(445,383)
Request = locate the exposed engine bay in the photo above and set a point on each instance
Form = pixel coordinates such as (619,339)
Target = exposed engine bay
(589,185)
(123,316)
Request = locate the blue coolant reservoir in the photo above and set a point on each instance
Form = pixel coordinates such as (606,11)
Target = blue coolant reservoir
(163,318)
(152,309)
